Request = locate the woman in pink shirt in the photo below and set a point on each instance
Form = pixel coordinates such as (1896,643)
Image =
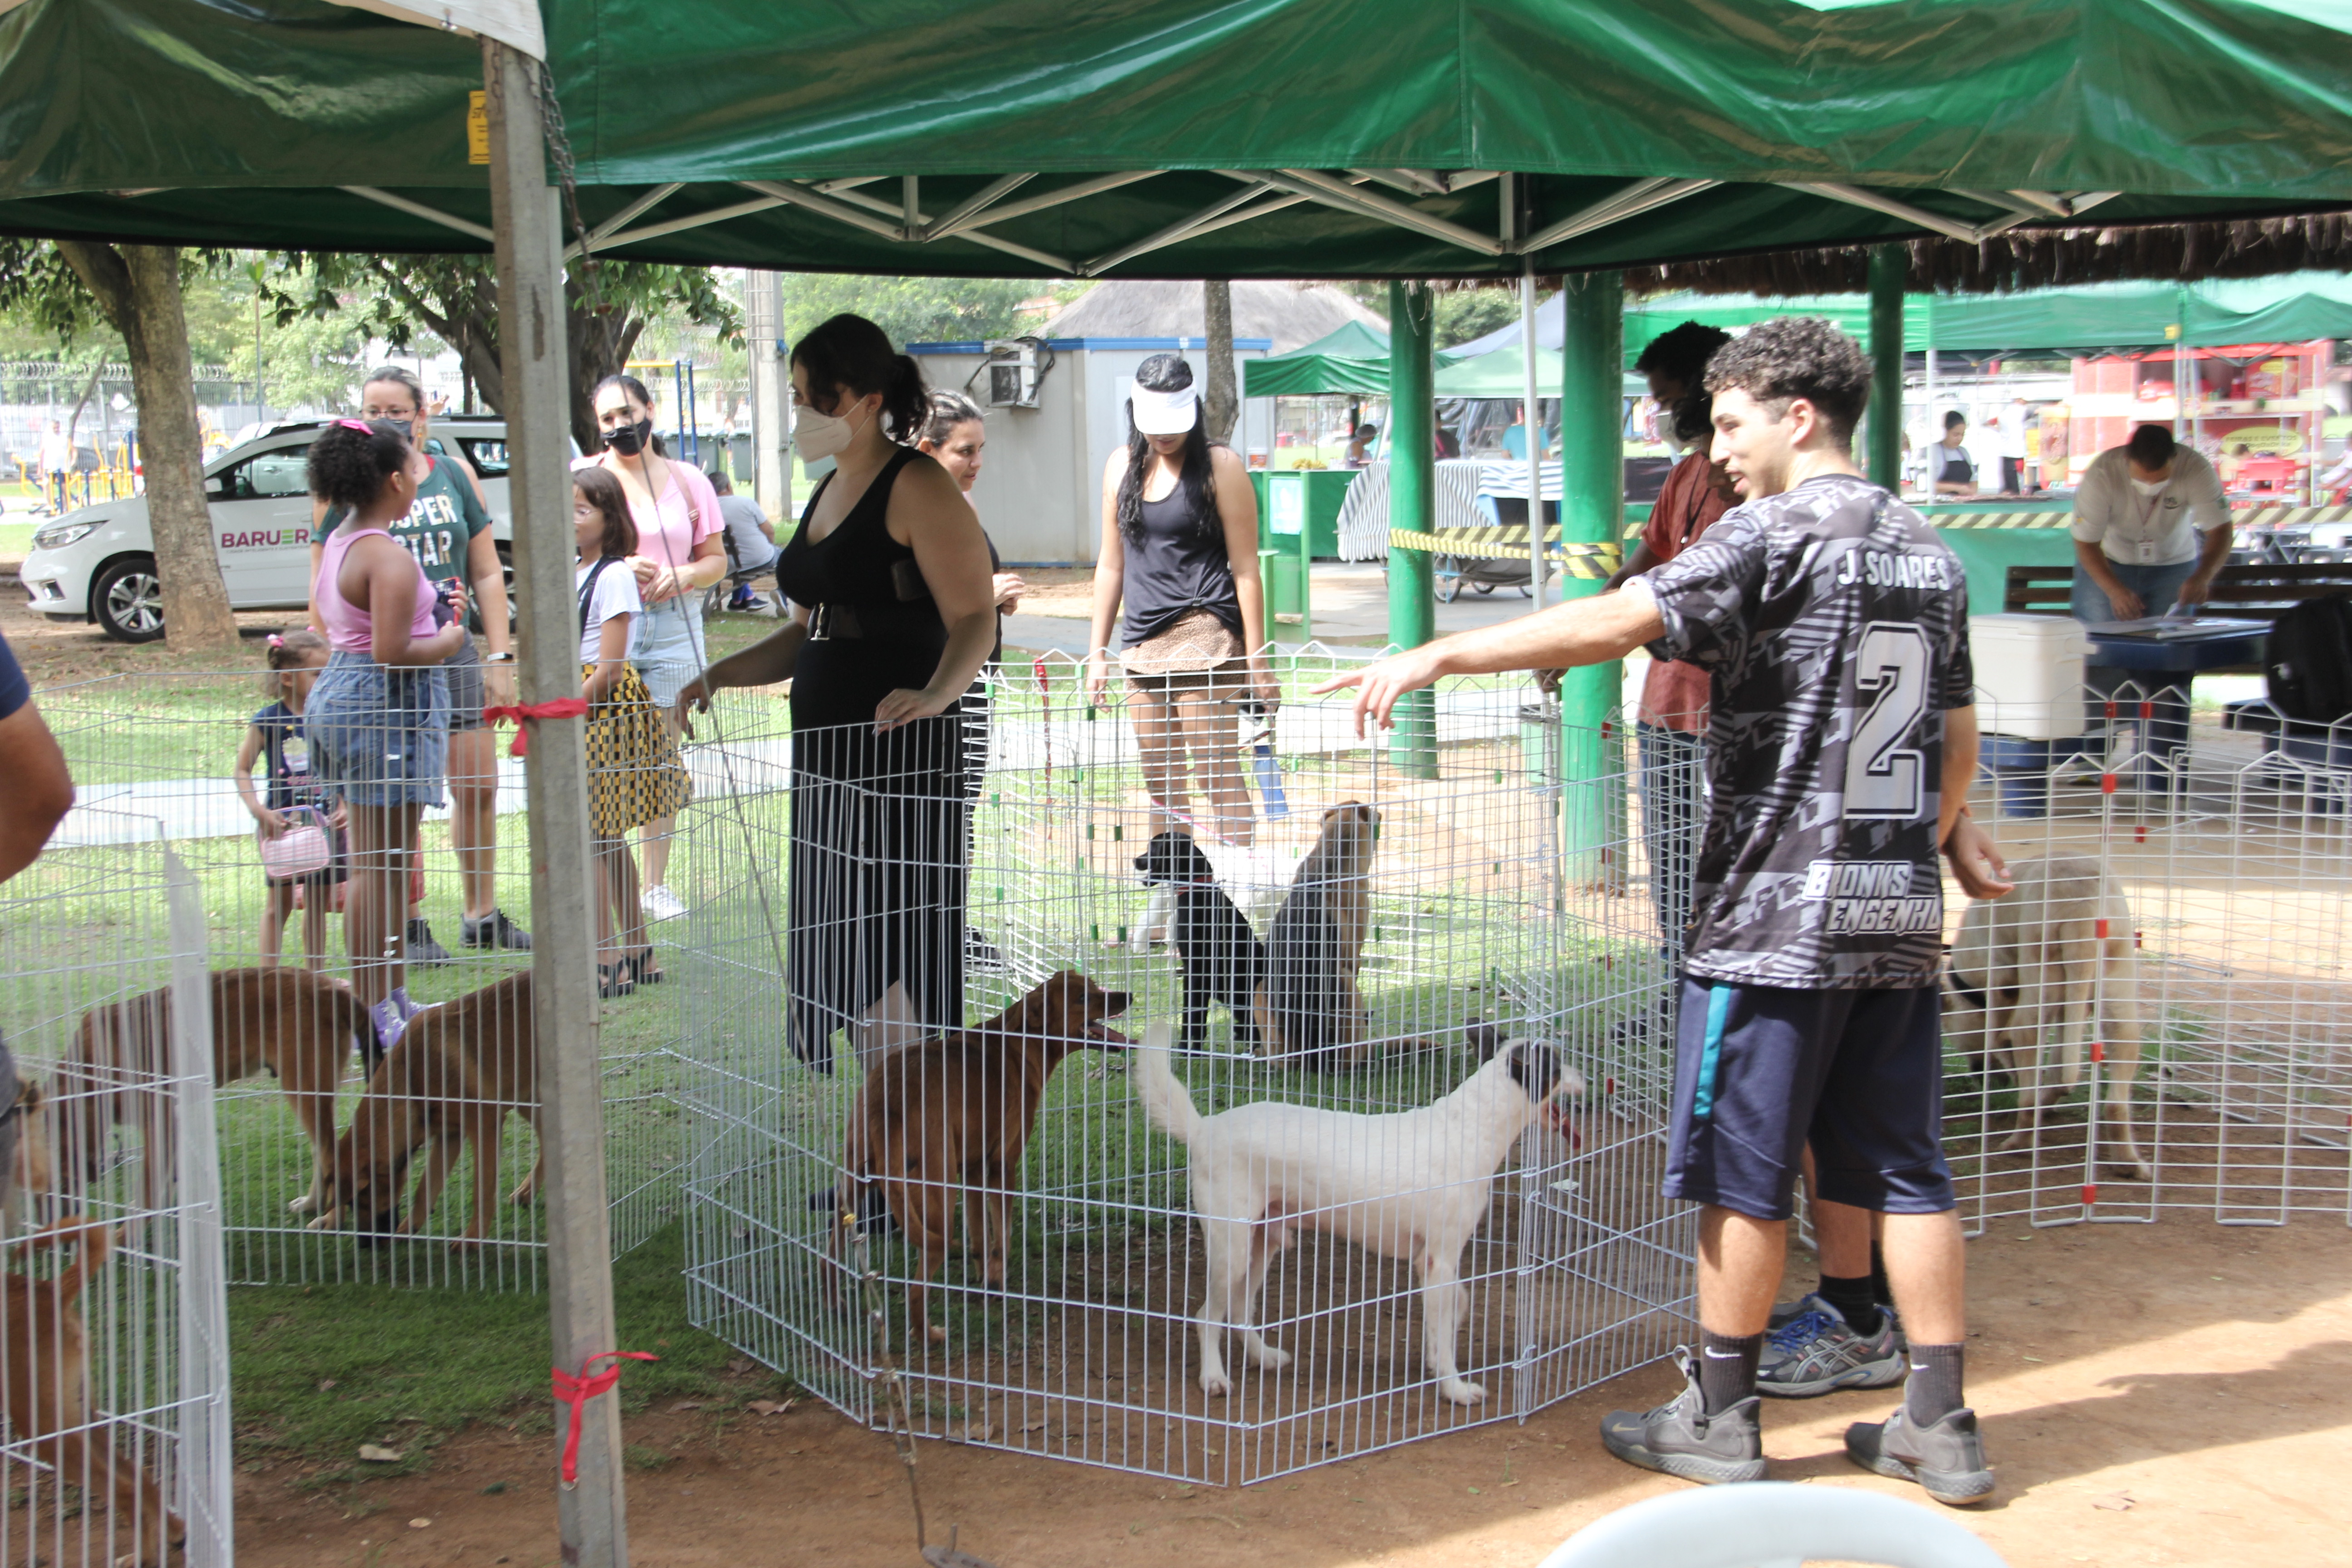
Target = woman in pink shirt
(681,550)
(378,719)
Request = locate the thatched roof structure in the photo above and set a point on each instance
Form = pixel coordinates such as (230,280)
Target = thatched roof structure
(1292,314)
(2033,259)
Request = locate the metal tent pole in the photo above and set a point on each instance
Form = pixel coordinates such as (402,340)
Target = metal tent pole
(1591,529)
(1531,420)
(1412,509)
(527,223)
(1888,264)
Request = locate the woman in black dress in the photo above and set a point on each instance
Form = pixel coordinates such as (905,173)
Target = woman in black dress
(892,618)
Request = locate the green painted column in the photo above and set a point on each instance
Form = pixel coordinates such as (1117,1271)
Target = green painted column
(1412,444)
(1592,528)
(1883,457)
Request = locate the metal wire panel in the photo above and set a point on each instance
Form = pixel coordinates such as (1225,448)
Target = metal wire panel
(113,1319)
(2210,1059)
(157,755)
(1571,1270)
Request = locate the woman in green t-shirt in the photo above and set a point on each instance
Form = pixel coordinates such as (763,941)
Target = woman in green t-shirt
(449,532)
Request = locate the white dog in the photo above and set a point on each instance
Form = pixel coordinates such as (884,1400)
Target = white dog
(2025,973)
(1411,1185)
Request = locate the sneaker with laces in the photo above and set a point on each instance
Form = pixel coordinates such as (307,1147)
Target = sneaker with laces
(1680,1438)
(493,930)
(423,951)
(1818,1352)
(661,904)
(1947,1457)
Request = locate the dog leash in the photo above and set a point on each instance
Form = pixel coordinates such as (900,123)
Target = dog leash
(577,1391)
(897,1417)
(522,715)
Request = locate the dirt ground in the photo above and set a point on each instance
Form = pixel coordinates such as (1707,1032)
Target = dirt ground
(2180,1394)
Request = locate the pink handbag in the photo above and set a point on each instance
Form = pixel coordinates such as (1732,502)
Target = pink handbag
(304,848)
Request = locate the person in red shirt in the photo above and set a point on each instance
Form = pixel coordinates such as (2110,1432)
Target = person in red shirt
(1670,725)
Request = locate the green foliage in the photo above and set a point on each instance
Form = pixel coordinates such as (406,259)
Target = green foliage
(43,304)
(1466,313)
(909,310)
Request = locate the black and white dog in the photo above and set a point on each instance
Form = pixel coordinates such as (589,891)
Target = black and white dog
(1223,959)
(1410,1185)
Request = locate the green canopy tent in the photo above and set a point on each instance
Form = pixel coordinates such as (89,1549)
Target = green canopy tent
(1179,139)
(1351,361)
(1107,139)
(2214,313)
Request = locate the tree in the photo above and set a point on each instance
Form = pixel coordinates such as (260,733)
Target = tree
(910,309)
(68,286)
(456,298)
(1220,399)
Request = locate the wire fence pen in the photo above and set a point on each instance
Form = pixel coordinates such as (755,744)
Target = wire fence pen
(115,1376)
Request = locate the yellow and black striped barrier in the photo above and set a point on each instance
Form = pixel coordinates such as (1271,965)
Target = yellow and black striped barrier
(1598,561)
(2240,516)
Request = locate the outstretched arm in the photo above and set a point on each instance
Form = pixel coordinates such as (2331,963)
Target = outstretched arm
(1582,631)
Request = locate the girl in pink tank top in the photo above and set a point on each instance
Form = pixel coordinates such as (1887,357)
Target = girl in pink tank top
(378,718)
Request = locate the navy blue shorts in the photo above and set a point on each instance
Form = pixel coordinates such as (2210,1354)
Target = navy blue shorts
(1762,1070)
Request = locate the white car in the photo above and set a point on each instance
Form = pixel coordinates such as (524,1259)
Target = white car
(98,563)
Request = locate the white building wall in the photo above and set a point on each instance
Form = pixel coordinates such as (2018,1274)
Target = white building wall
(1040,490)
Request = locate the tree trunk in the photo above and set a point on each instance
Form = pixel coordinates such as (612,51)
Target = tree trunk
(1220,401)
(138,287)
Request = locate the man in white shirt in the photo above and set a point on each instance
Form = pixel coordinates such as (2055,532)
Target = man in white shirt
(2151,529)
(2013,421)
(57,462)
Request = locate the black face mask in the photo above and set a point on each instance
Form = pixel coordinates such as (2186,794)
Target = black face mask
(630,439)
(407,427)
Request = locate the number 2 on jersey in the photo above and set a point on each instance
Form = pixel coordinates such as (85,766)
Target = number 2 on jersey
(1883,778)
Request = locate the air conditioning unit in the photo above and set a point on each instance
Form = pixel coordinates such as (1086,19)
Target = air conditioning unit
(1013,373)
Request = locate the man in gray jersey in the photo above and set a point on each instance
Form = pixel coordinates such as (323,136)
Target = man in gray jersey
(1841,740)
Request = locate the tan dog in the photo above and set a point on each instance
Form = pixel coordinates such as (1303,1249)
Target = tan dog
(298,1025)
(454,1075)
(1311,1005)
(950,1117)
(30,1172)
(2026,973)
(47,1394)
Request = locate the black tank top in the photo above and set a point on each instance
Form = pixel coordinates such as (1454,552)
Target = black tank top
(897,636)
(1180,566)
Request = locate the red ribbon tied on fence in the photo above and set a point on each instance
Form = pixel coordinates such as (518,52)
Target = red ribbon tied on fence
(577,1392)
(522,714)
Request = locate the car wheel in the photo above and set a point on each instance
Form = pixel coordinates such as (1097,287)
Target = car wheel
(127,600)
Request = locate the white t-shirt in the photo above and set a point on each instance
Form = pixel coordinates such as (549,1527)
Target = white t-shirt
(2140,531)
(616,595)
(57,452)
(2012,431)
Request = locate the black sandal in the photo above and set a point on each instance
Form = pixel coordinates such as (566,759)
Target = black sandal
(638,973)
(613,980)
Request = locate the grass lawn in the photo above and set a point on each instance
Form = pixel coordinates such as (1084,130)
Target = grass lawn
(322,1368)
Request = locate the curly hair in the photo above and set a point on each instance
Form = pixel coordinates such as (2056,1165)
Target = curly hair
(1682,353)
(1789,357)
(350,461)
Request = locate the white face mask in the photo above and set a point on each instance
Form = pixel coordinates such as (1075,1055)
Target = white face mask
(2149,489)
(817,437)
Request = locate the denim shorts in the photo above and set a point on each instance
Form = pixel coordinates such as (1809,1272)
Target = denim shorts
(666,646)
(381,736)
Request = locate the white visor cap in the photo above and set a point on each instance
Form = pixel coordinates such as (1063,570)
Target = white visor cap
(1166,412)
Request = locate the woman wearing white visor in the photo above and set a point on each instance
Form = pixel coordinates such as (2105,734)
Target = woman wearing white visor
(1179,552)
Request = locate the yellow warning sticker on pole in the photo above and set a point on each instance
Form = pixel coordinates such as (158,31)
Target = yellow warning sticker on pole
(477,127)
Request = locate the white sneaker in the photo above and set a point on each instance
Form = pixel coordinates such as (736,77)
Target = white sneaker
(661,904)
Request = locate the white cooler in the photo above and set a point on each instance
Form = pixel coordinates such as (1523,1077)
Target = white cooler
(2029,673)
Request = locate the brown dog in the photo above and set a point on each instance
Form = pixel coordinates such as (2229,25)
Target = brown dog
(950,1116)
(1311,1005)
(452,1079)
(44,1385)
(298,1024)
